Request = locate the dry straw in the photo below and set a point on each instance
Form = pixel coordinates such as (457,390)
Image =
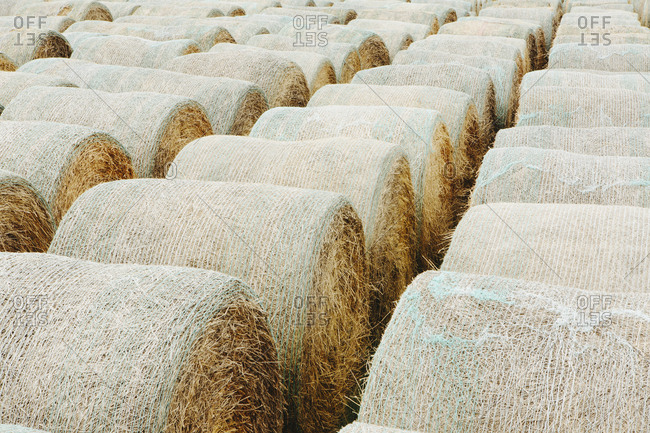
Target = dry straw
(232,106)
(394,36)
(6,64)
(428,19)
(343,14)
(416,31)
(78,10)
(12,83)
(482,354)
(586,78)
(618,58)
(61,161)
(26,223)
(36,24)
(602,141)
(95,347)
(282,81)
(359,427)
(545,17)
(317,69)
(530,175)
(505,76)
(21,46)
(373,174)
(590,247)
(344,57)
(420,132)
(301,250)
(462,78)
(583,107)
(152,127)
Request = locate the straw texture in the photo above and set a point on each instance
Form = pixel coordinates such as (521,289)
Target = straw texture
(427,19)
(586,78)
(590,247)
(445,13)
(620,58)
(12,83)
(232,106)
(6,64)
(152,127)
(94,347)
(420,132)
(395,37)
(416,31)
(545,17)
(302,251)
(77,10)
(21,46)
(26,223)
(467,353)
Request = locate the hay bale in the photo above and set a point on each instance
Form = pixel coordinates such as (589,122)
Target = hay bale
(614,58)
(301,16)
(617,39)
(181,11)
(8,65)
(599,35)
(152,127)
(420,132)
(585,78)
(375,176)
(505,76)
(12,83)
(545,17)
(302,251)
(529,175)
(317,69)
(428,19)
(393,36)
(485,343)
(570,244)
(603,19)
(282,81)
(603,141)
(20,46)
(462,78)
(26,223)
(556,5)
(445,14)
(462,8)
(344,15)
(148,348)
(6,428)
(359,427)
(344,57)
(232,106)
(77,10)
(416,31)
(36,24)
(119,10)
(581,107)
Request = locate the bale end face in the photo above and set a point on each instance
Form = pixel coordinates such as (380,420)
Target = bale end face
(52,44)
(253,106)
(326,75)
(373,53)
(294,90)
(6,64)
(351,65)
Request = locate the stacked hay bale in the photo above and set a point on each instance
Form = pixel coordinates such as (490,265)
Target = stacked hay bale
(282,81)
(302,251)
(416,31)
(445,13)
(151,127)
(26,223)
(615,58)
(12,83)
(149,348)
(232,106)
(77,10)
(587,78)
(20,46)
(545,17)
(393,36)
(484,343)
(423,136)
(428,19)
(121,9)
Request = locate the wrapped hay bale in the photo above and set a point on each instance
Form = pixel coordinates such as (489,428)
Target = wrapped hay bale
(617,39)
(599,35)
(530,175)
(462,78)
(282,81)
(375,175)
(420,132)
(571,244)
(614,58)
(428,19)
(20,46)
(26,223)
(359,427)
(602,18)
(118,9)
(301,250)
(75,38)
(614,4)
(444,13)
(132,51)
(148,348)
(79,10)
(152,127)
(36,24)
(394,38)
(303,16)
(485,343)
(416,31)
(505,76)
(317,69)
(545,17)
(462,8)
(12,83)
(180,11)
(601,141)
(585,78)
(555,5)
(61,161)
(273,23)
(6,428)
(344,57)
(582,107)
(232,106)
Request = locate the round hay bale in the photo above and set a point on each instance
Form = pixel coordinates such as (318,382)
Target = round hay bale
(393,37)
(545,17)
(462,78)
(555,5)
(302,15)
(614,58)
(598,35)
(617,39)
(616,8)
(582,107)
(613,4)
(575,245)
(359,427)
(77,10)
(132,51)
(282,81)
(6,428)
(585,78)
(485,343)
(444,13)
(180,11)
(505,76)
(428,19)
(232,106)
(375,175)
(21,46)
(416,31)
(61,161)
(420,132)
(491,46)
(36,24)
(273,23)
(12,83)
(119,9)
(149,348)
(26,223)
(602,141)
(462,8)
(75,38)
(344,57)
(152,127)
(301,250)
(603,19)
(318,69)
(344,15)
(8,65)
(530,175)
